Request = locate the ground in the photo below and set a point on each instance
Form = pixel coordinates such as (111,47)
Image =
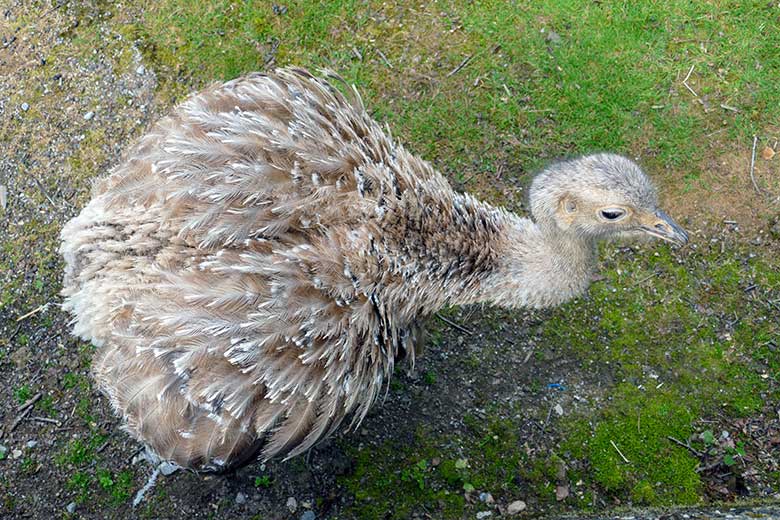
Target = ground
(658,388)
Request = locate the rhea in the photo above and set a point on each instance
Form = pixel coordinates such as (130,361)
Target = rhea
(255,266)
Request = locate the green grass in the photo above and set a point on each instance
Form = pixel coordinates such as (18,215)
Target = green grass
(612,81)
(23,393)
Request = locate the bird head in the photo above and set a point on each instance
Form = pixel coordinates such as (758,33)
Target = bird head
(601,196)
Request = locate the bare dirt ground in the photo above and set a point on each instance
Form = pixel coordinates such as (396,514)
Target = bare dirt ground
(63,119)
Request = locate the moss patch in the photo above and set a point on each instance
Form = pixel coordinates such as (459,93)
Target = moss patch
(637,428)
(679,334)
(434,472)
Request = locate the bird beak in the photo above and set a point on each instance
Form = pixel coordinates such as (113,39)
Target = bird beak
(667,229)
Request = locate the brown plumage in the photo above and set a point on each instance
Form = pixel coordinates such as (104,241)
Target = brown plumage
(253,268)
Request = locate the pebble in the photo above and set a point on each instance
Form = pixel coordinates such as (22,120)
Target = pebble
(167,469)
(31,444)
(775,230)
(16,454)
(71,508)
(553,37)
(292,504)
(515,507)
(141,70)
(89,115)
(484,514)
(308,515)
(486,498)
(559,409)
(240,498)
(25,107)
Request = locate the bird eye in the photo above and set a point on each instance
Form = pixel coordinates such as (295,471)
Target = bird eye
(612,214)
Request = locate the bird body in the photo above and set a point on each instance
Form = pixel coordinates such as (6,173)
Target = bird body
(256,264)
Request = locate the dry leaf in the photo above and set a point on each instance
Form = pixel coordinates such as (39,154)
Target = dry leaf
(767,153)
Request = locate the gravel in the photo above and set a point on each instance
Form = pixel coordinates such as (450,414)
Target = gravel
(167,469)
(486,498)
(515,507)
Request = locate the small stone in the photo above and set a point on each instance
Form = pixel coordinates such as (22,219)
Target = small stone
(167,468)
(559,409)
(308,515)
(71,508)
(292,504)
(16,454)
(25,107)
(240,498)
(31,444)
(141,70)
(21,356)
(767,153)
(486,498)
(515,507)
(553,37)
(484,514)
(89,115)
(775,230)
(561,492)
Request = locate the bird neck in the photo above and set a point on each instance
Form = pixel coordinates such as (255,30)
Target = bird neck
(467,251)
(535,264)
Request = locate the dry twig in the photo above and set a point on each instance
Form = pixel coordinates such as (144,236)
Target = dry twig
(31,401)
(34,311)
(384,58)
(619,452)
(685,82)
(753,164)
(24,410)
(47,420)
(462,64)
(454,325)
(43,190)
(684,445)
